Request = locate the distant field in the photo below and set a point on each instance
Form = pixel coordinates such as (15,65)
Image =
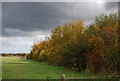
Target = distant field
(16,68)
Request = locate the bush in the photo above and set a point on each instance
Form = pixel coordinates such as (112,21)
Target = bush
(29,56)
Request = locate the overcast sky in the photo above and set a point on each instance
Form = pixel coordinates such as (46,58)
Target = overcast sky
(24,23)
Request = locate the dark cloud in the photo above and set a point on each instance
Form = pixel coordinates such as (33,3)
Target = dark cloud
(26,17)
(24,23)
(119,6)
(31,16)
(111,5)
(0,27)
(18,33)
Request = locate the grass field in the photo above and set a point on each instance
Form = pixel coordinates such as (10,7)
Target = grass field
(16,68)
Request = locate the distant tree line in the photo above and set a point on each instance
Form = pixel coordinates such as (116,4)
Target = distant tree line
(93,48)
(5,54)
(20,54)
(16,54)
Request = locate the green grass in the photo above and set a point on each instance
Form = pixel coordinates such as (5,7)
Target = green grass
(16,68)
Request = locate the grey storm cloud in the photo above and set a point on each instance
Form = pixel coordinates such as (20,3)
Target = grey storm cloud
(111,5)
(0,11)
(43,16)
(24,23)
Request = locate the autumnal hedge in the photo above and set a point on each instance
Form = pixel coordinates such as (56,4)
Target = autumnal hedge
(93,48)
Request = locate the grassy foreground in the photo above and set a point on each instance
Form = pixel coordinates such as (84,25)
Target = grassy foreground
(16,68)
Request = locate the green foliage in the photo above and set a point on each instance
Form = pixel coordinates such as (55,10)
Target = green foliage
(107,21)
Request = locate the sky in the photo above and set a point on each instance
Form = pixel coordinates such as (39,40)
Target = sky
(24,23)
